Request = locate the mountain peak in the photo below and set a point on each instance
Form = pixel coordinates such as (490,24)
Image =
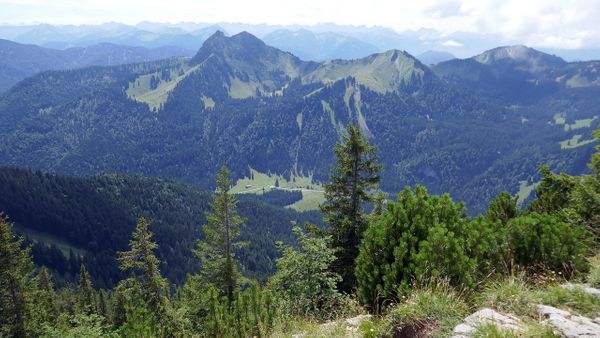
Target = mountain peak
(520,54)
(390,71)
(242,44)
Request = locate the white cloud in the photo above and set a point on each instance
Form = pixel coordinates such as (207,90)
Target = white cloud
(547,23)
(452,43)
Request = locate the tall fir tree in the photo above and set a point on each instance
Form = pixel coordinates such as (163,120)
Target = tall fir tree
(16,270)
(86,295)
(353,179)
(216,251)
(45,311)
(146,282)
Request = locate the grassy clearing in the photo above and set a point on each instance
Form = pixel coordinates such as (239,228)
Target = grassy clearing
(579,124)
(574,142)
(310,201)
(42,237)
(257,183)
(382,73)
(241,90)
(525,190)
(560,118)
(141,91)
(209,103)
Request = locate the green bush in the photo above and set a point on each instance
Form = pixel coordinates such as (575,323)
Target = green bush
(545,241)
(304,283)
(417,238)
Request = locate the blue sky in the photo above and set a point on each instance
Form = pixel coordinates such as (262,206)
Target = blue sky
(548,23)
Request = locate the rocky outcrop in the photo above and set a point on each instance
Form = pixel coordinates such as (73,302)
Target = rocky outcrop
(568,325)
(469,325)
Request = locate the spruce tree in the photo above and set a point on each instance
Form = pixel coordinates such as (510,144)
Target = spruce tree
(45,311)
(85,292)
(352,180)
(15,272)
(146,281)
(216,251)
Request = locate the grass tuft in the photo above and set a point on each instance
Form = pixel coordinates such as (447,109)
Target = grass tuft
(574,300)
(594,275)
(432,310)
(511,294)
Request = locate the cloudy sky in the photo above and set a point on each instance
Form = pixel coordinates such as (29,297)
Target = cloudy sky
(550,23)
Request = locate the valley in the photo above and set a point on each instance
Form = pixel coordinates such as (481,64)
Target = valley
(287,179)
(275,113)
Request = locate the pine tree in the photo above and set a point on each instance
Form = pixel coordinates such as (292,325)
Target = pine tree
(146,281)
(85,292)
(352,179)
(216,252)
(15,272)
(503,208)
(418,237)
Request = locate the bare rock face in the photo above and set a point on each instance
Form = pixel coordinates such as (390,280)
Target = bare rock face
(487,316)
(568,325)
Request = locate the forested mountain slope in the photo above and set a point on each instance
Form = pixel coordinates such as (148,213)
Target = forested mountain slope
(18,61)
(242,103)
(74,220)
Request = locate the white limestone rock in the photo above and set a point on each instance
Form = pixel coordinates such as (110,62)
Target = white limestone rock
(568,325)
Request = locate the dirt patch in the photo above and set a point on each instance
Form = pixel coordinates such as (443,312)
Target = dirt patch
(415,330)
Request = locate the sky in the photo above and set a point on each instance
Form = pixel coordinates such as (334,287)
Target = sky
(546,23)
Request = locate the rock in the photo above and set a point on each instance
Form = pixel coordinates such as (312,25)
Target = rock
(567,324)
(486,316)
(588,289)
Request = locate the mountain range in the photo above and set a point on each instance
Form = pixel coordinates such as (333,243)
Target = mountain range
(316,43)
(472,127)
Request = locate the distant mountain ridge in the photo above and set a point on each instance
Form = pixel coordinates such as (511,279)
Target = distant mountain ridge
(248,105)
(317,42)
(518,73)
(18,61)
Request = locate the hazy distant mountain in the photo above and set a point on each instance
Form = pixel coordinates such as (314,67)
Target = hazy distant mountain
(319,46)
(432,57)
(243,103)
(18,61)
(190,35)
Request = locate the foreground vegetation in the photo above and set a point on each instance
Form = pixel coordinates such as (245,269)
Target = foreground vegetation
(419,263)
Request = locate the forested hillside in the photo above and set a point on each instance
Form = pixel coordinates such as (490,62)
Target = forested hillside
(87,220)
(413,266)
(18,61)
(242,103)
